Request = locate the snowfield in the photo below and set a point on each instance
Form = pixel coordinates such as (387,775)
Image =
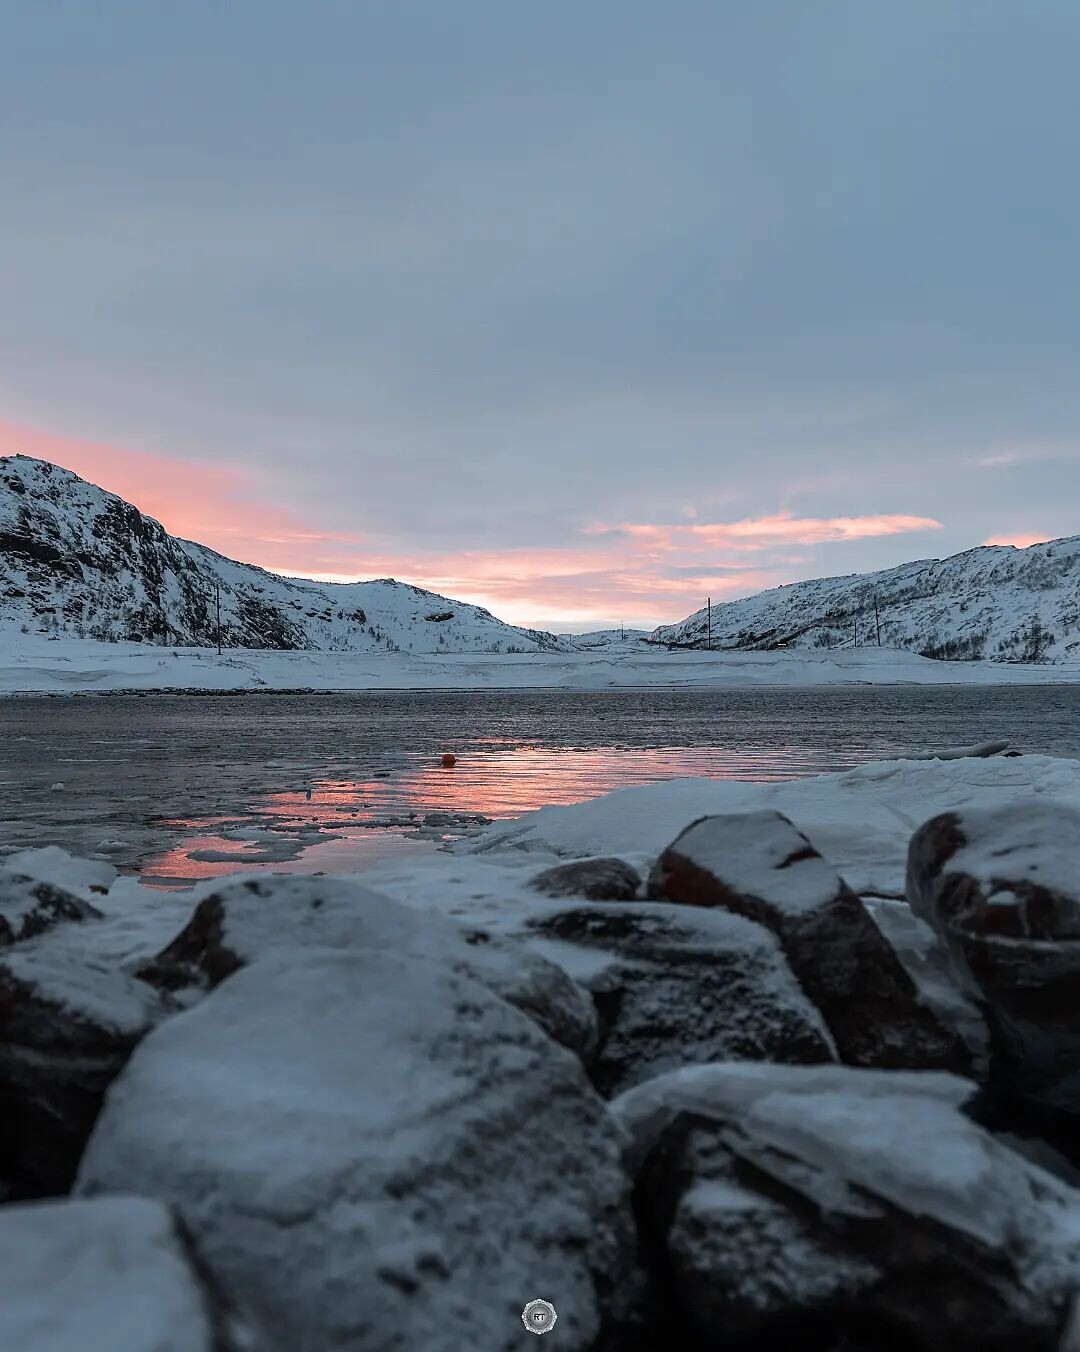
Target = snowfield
(96,596)
(34,663)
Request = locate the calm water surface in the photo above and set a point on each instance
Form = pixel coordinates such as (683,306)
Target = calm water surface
(183,787)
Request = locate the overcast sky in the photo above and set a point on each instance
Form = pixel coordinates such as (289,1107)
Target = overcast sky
(582,309)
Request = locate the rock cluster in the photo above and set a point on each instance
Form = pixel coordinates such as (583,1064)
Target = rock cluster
(713,1107)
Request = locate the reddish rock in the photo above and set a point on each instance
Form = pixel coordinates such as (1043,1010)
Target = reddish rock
(593,879)
(759,865)
(1001,887)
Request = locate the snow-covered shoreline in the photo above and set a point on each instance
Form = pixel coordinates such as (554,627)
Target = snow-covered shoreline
(36,665)
(322,1099)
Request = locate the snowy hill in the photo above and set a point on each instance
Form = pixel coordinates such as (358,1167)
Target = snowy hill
(996,601)
(623,640)
(80,562)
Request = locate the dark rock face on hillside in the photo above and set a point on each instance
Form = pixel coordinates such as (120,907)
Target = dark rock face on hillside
(78,562)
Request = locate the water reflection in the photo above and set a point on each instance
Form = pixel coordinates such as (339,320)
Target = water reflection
(348,822)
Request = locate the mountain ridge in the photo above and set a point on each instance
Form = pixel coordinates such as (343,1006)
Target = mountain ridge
(79,561)
(998,602)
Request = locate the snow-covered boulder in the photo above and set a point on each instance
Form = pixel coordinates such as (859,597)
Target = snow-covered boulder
(675,986)
(376,1152)
(243,921)
(110,1275)
(29,906)
(758,864)
(67,1026)
(594,879)
(827,1206)
(1001,887)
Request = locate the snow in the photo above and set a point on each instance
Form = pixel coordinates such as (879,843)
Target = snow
(892,1135)
(289,914)
(97,1276)
(97,596)
(58,968)
(33,663)
(860,820)
(84,878)
(995,601)
(1007,851)
(375,1151)
(80,562)
(752,853)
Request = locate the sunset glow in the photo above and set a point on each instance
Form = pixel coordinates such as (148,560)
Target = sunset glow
(638,573)
(1019,541)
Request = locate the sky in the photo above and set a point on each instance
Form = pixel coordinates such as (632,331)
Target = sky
(583,310)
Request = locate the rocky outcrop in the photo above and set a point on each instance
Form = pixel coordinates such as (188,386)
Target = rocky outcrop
(674,986)
(827,1207)
(759,865)
(593,879)
(29,906)
(243,921)
(115,1274)
(375,1151)
(1001,888)
(67,1026)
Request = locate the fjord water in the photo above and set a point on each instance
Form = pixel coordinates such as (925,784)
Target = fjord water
(184,786)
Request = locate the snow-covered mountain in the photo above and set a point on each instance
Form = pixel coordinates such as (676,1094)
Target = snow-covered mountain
(81,562)
(996,601)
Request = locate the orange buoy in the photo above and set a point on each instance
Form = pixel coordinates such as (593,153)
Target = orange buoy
(449,759)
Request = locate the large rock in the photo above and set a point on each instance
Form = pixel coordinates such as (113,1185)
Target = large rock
(758,864)
(243,921)
(827,1207)
(111,1275)
(30,906)
(594,879)
(377,1152)
(1001,887)
(675,986)
(67,1026)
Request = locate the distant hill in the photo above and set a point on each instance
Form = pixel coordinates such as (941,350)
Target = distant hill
(995,601)
(78,561)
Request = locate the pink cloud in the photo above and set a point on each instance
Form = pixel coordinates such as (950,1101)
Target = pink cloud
(215,504)
(757,532)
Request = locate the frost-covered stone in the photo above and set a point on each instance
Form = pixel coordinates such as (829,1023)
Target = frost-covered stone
(67,1026)
(758,864)
(1001,887)
(376,1152)
(827,1206)
(110,1275)
(675,986)
(29,906)
(244,921)
(594,879)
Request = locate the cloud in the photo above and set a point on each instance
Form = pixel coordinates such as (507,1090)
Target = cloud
(756,533)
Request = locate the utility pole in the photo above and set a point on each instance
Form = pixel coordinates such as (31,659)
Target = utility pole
(855,621)
(217,606)
(709,604)
(877,621)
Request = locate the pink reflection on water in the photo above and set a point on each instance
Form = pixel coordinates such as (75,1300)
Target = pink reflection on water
(294,830)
